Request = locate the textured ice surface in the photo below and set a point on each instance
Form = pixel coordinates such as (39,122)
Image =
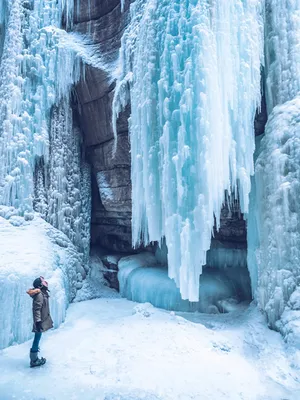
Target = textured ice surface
(277,185)
(282,38)
(274,219)
(29,249)
(68,190)
(192,72)
(42,166)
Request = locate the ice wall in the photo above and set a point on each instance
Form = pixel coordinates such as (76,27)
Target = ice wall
(69,181)
(42,167)
(192,73)
(273,232)
(35,72)
(30,248)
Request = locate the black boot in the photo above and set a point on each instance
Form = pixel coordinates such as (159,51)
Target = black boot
(35,361)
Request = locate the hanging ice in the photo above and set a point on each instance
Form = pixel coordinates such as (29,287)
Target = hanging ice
(193,71)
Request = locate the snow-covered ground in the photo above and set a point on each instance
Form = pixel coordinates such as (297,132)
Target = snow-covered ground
(114,349)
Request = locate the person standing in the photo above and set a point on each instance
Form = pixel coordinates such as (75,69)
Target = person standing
(42,320)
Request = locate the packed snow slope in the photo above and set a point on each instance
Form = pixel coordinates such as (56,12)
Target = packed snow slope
(111,349)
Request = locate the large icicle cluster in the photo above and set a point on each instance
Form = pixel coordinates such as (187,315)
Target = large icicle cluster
(193,72)
(274,225)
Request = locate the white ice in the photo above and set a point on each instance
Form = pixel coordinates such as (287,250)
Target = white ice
(111,349)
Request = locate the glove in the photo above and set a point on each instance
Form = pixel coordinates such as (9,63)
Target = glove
(39,326)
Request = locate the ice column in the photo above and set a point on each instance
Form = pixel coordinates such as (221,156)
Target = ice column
(69,192)
(275,229)
(193,72)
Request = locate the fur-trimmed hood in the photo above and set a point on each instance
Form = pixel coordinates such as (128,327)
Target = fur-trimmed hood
(33,292)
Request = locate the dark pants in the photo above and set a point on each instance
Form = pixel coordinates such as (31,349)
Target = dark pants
(36,342)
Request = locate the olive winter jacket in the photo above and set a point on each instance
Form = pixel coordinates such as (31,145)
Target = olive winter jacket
(40,309)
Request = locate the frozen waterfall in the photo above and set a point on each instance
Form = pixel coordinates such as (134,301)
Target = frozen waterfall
(36,73)
(191,71)
(43,168)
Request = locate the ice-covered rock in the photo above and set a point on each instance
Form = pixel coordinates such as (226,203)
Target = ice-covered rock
(96,284)
(289,326)
(294,301)
(110,269)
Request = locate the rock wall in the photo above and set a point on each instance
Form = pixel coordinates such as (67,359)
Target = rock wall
(105,22)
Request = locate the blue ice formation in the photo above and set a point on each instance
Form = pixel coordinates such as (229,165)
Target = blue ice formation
(191,70)
(142,280)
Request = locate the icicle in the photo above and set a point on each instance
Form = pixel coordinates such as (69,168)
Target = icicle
(194,91)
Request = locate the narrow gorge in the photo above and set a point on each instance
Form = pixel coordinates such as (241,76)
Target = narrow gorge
(152,146)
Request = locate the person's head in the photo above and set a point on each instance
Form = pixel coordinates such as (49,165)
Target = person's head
(40,283)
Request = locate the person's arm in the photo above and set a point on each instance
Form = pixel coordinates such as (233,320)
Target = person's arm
(37,307)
